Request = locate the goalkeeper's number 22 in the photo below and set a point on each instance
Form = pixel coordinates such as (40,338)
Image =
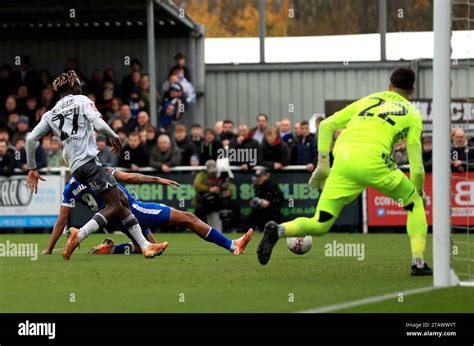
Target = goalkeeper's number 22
(384,115)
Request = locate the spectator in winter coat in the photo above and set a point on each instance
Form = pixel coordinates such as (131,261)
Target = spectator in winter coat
(185,145)
(275,152)
(306,148)
(165,154)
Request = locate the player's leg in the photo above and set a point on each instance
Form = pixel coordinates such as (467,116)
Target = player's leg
(338,191)
(115,207)
(104,216)
(326,214)
(108,246)
(102,182)
(132,246)
(208,233)
(156,214)
(417,226)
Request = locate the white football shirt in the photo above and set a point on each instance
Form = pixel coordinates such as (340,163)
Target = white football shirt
(71,119)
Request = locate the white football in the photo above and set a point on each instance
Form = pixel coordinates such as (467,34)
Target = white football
(300,245)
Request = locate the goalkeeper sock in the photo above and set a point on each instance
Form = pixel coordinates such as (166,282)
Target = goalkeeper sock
(214,236)
(417,228)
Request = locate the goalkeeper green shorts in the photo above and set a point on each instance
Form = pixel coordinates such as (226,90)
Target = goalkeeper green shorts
(352,172)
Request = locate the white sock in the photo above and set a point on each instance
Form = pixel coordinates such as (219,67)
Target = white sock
(86,230)
(94,224)
(137,234)
(281,230)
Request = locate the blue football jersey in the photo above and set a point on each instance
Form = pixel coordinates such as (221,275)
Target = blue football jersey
(75,192)
(149,215)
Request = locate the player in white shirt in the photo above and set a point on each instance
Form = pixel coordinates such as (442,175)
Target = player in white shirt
(73,119)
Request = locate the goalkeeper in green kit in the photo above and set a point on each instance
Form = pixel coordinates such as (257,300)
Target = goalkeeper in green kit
(363,157)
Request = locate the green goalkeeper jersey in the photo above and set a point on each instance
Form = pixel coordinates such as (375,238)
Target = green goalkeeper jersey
(373,125)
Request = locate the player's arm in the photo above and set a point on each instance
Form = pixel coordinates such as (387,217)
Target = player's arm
(415,158)
(326,131)
(32,141)
(137,178)
(94,116)
(101,126)
(58,229)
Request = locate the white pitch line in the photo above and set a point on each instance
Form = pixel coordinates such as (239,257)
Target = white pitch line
(369,300)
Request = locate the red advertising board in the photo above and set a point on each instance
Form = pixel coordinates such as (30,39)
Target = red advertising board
(384,211)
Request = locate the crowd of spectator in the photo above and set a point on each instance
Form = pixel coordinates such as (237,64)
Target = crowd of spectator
(25,95)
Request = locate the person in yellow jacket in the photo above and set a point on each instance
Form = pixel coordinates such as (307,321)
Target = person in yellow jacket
(363,157)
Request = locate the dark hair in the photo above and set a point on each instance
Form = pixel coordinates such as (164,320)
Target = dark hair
(304,123)
(210,130)
(196,125)
(227,121)
(65,81)
(135,61)
(175,70)
(403,78)
(262,115)
(134,134)
(179,56)
(180,128)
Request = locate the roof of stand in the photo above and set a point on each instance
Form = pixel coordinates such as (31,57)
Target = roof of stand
(21,19)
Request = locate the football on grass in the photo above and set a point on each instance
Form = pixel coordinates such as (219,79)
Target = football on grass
(299,245)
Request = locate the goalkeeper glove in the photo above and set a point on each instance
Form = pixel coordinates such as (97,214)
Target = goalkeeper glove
(320,173)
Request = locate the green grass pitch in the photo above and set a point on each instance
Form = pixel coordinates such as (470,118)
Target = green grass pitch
(196,276)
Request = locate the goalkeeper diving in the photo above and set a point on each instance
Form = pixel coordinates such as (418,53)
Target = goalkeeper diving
(363,157)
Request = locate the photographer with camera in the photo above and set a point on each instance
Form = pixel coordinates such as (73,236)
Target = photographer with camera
(266,205)
(213,192)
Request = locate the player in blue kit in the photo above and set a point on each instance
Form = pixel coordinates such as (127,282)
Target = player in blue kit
(149,215)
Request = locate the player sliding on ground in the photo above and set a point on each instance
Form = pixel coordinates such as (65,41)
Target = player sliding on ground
(362,157)
(149,215)
(73,119)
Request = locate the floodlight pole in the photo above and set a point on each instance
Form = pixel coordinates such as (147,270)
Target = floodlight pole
(261,29)
(441,138)
(383,28)
(150,15)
